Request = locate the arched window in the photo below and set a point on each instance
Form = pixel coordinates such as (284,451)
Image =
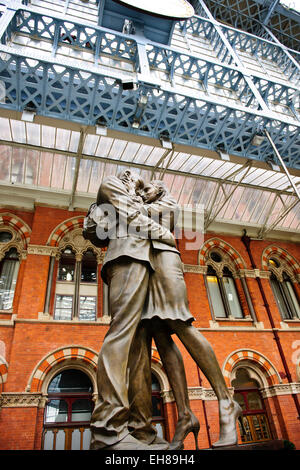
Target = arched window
(9,268)
(222,293)
(255,421)
(283,290)
(68,412)
(158,408)
(76,286)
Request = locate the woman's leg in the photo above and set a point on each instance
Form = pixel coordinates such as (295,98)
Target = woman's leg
(174,366)
(204,356)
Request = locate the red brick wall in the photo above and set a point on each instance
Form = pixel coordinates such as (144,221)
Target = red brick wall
(29,341)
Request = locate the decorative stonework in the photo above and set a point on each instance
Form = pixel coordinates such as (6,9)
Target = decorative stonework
(22,400)
(230,257)
(194,393)
(75,240)
(280,389)
(194,268)
(42,250)
(18,226)
(63,228)
(246,273)
(19,233)
(69,353)
(285,261)
(262,363)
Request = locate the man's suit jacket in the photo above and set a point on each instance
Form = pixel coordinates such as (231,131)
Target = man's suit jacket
(136,233)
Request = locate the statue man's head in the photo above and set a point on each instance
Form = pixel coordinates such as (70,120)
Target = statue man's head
(131,180)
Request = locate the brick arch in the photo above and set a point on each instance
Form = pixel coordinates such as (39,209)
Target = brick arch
(274,250)
(63,228)
(261,362)
(75,354)
(235,257)
(13,221)
(3,372)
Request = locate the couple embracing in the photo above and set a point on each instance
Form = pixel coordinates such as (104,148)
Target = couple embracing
(148,300)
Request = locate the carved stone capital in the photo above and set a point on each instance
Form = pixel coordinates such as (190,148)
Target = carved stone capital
(247,273)
(264,274)
(79,245)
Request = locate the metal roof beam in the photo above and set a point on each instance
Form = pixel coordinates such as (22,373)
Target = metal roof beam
(282,163)
(77,165)
(270,11)
(212,218)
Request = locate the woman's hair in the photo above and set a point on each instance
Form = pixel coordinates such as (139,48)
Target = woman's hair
(160,186)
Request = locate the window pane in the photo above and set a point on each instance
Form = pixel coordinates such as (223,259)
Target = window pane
(81,410)
(86,439)
(247,436)
(215,296)
(70,381)
(156,406)
(66,271)
(280,299)
(292,298)
(254,401)
(63,307)
(240,400)
(5,237)
(60,440)
(56,411)
(257,429)
(89,267)
(8,279)
(264,427)
(48,440)
(87,308)
(232,297)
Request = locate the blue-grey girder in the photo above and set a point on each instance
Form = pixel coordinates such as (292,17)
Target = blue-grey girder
(82,93)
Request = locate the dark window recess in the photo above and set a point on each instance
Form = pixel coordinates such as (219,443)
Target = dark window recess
(89,267)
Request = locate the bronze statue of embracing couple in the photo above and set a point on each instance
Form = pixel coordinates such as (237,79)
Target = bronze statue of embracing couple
(147,300)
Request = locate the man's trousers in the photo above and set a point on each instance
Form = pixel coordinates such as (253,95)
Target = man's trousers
(124,373)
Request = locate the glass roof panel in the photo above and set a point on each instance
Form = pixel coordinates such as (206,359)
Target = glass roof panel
(84,175)
(104,146)
(5,130)
(58,171)
(18,131)
(187,187)
(155,156)
(96,176)
(48,136)
(190,163)
(130,151)
(142,154)
(90,144)
(33,132)
(45,169)
(54,170)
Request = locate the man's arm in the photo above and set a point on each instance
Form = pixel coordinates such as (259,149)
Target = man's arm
(112,191)
(165,211)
